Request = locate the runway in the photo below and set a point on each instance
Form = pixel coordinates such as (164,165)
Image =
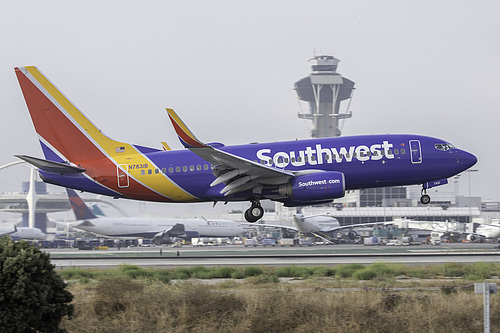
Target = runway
(187,256)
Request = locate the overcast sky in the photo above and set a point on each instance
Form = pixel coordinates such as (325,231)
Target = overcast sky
(228,69)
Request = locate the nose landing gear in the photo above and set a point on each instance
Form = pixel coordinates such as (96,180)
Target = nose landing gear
(255,212)
(425,199)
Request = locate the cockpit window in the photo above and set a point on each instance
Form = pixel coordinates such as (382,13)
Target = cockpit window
(444,146)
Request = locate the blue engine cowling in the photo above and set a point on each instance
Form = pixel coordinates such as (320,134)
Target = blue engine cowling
(315,187)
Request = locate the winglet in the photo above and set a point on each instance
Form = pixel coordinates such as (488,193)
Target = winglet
(165,146)
(186,137)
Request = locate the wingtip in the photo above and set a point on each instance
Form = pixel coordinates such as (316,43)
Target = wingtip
(187,138)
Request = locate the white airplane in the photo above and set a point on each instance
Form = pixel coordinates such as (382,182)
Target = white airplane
(488,231)
(160,229)
(324,226)
(22,233)
(315,223)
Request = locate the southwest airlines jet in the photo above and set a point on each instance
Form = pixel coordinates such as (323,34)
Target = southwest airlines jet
(79,155)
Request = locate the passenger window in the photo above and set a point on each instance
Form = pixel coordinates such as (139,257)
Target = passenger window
(170,170)
(157,170)
(191,168)
(164,170)
(143,172)
(198,167)
(205,167)
(150,171)
(184,168)
(396,152)
(177,169)
(403,151)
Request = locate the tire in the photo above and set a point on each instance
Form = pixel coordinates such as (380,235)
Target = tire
(425,199)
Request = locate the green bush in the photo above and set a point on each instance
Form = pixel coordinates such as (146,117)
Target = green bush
(222,272)
(365,274)
(133,272)
(33,297)
(237,274)
(252,271)
(181,274)
(162,275)
(346,271)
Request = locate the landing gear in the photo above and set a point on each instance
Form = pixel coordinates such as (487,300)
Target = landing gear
(255,212)
(425,199)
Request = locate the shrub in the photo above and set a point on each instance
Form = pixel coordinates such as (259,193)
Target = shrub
(33,297)
(222,272)
(364,274)
(133,272)
(252,271)
(346,271)
(182,274)
(237,274)
(162,275)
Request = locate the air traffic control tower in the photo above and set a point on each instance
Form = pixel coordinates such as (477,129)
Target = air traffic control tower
(324,89)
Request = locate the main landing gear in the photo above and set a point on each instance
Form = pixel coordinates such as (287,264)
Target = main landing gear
(255,212)
(425,199)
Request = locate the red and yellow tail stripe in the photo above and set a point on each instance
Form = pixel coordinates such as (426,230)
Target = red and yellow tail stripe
(63,127)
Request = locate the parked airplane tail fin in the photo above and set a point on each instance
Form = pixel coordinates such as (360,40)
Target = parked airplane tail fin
(81,210)
(65,133)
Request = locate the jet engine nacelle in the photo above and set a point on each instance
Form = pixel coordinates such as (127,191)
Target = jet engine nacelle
(472,238)
(319,186)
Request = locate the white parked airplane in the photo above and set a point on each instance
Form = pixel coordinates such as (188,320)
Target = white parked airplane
(21,233)
(160,229)
(488,230)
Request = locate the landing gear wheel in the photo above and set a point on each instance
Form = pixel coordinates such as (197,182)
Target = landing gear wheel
(254,213)
(425,199)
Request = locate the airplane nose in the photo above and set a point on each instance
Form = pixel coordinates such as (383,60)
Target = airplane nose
(467,160)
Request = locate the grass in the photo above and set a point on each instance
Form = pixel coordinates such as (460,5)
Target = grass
(134,299)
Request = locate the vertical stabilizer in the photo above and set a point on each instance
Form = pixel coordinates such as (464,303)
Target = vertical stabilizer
(81,210)
(65,133)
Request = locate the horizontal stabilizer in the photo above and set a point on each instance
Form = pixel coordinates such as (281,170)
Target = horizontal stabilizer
(51,166)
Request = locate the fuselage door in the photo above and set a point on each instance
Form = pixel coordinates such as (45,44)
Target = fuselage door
(122,174)
(416,152)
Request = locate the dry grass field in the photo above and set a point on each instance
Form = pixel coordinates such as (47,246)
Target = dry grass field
(260,299)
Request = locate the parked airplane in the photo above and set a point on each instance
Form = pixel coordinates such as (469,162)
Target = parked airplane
(327,227)
(297,173)
(487,231)
(315,223)
(21,233)
(160,229)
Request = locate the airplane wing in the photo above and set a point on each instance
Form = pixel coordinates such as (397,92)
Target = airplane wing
(8,231)
(177,230)
(237,173)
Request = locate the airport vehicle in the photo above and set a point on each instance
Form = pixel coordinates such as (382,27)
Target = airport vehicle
(22,233)
(296,173)
(269,242)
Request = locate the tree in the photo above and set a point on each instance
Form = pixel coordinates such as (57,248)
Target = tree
(33,297)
